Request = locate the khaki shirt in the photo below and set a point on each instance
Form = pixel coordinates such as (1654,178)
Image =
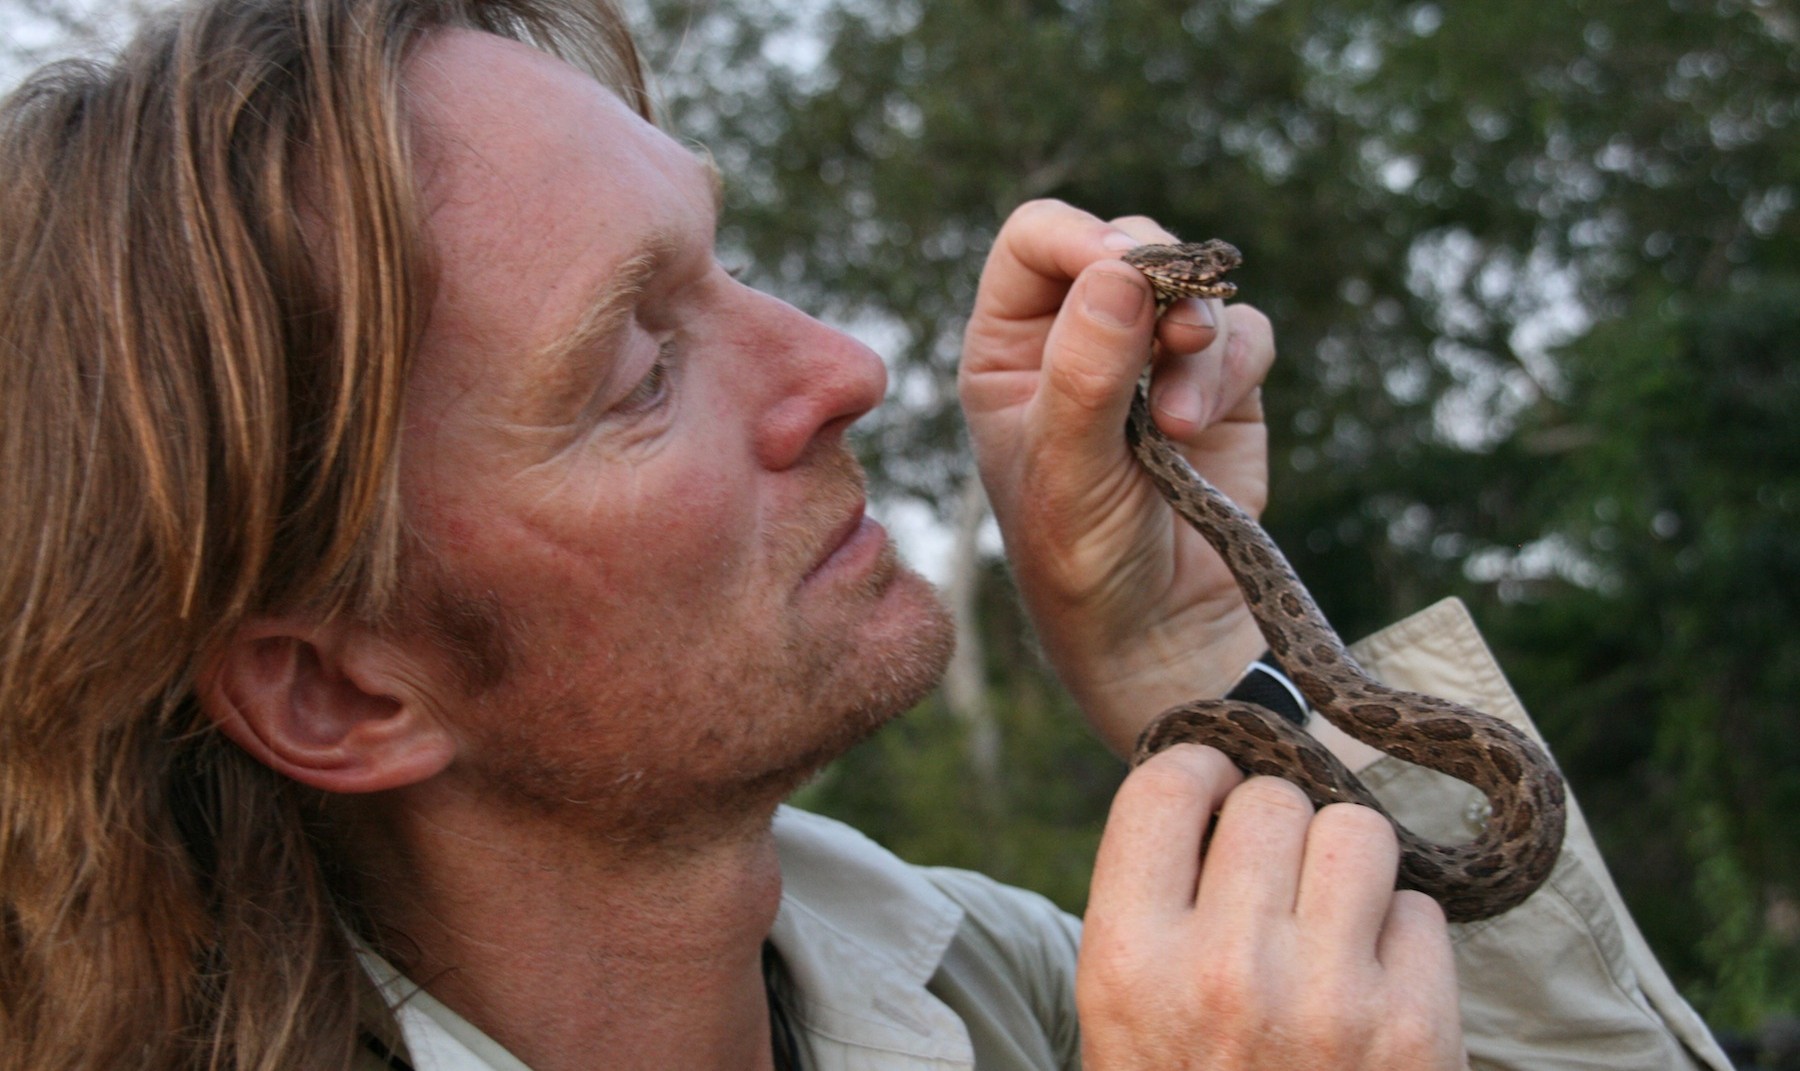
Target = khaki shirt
(903,968)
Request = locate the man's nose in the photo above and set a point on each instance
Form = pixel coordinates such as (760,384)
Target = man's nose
(821,381)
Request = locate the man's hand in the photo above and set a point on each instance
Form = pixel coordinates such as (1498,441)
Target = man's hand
(1134,609)
(1284,947)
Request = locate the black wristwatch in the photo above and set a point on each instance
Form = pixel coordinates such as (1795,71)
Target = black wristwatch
(1267,685)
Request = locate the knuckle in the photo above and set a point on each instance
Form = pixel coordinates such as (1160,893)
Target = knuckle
(1181,772)
(1227,989)
(1417,903)
(1273,797)
(1354,822)
(1090,388)
(1340,1018)
(1248,320)
(1037,209)
(1135,224)
(1415,1034)
(1107,973)
(1168,777)
(1420,913)
(1236,967)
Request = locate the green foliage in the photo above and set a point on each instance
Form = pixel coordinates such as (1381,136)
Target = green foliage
(1672,686)
(1535,268)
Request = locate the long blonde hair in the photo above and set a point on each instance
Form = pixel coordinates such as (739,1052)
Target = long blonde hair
(212,277)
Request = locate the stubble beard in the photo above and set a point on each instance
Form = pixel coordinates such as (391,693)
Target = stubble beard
(837,710)
(807,712)
(901,676)
(770,718)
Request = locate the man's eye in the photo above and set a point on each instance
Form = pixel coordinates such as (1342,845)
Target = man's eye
(653,388)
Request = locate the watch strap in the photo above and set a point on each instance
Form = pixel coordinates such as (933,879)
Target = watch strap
(1267,685)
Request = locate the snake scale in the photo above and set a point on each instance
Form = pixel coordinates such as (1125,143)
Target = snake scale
(1519,843)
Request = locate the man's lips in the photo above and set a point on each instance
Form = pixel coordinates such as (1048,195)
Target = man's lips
(857,532)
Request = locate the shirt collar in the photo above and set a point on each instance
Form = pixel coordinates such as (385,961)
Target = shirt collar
(435,1037)
(860,932)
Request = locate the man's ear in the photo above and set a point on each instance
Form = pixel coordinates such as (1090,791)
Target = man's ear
(331,706)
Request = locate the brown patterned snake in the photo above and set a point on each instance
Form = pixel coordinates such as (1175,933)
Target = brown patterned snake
(1516,849)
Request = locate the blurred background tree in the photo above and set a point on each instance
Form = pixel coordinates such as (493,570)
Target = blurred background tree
(1535,273)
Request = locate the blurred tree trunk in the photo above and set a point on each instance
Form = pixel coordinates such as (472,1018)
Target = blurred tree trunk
(965,681)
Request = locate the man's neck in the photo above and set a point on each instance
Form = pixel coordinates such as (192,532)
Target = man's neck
(574,952)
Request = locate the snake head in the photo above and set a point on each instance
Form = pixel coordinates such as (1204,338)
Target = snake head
(1191,269)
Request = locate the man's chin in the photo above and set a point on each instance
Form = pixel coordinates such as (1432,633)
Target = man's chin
(888,675)
(900,672)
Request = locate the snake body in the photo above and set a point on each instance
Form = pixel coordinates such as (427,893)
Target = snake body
(1518,846)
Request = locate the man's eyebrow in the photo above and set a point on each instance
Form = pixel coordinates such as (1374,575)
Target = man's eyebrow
(568,361)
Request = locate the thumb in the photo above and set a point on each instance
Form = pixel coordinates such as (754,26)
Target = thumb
(1093,355)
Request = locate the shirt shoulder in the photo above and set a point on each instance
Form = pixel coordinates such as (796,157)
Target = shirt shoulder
(1564,980)
(899,965)
(1012,967)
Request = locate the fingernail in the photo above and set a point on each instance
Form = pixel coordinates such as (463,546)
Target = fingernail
(1183,401)
(1114,299)
(1120,242)
(1192,312)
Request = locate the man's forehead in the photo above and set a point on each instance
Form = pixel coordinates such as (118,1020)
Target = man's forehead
(549,204)
(475,94)
(460,83)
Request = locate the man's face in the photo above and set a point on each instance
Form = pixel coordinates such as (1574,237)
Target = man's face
(630,468)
